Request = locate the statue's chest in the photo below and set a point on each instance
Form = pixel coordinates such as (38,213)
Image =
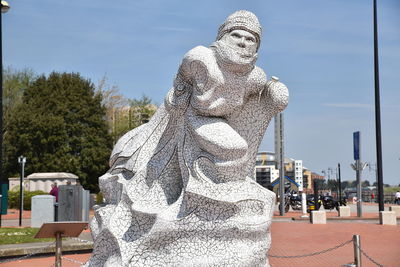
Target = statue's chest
(220,95)
(231,88)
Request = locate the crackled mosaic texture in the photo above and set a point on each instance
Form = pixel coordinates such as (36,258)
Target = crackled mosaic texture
(179,191)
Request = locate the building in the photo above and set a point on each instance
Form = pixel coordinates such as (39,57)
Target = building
(43,180)
(298,177)
(265,170)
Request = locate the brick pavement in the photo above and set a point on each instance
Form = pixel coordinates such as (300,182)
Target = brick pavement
(300,237)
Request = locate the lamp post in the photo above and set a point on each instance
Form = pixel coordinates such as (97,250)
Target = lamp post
(21,161)
(4,8)
(378,115)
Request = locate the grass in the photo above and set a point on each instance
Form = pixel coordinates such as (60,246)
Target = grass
(20,235)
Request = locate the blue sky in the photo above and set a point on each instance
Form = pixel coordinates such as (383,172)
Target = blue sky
(321,49)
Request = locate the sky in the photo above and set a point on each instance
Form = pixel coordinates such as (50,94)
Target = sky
(321,49)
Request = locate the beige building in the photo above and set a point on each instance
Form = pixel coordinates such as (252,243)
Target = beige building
(43,180)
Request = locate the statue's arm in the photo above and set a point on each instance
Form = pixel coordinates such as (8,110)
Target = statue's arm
(276,94)
(192,75)
(193,71)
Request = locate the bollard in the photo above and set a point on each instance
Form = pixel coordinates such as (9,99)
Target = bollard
(304,205)
(357,250)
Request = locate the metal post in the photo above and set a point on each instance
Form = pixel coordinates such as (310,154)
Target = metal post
(359,195)
(21,160)
(358,166)
(58,249)
(316,203)
(357,250)
(340,185)
(378,115)
(279,157)
(1,100)
(3,9)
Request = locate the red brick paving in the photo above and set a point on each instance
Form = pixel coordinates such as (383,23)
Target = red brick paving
(293,238)
(14,214)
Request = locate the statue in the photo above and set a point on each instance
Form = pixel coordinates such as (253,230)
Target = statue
(180,190)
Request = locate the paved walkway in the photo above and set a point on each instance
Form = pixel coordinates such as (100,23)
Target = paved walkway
(380,242)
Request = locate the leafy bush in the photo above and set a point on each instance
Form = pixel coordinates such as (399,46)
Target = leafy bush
(13,198)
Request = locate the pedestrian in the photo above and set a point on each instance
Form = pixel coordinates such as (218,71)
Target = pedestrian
(397,198)
(372,196)
(54,191)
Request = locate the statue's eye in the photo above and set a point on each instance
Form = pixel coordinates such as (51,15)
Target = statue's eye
(250,40)
(235,35)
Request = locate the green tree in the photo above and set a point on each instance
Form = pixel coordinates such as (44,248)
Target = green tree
(60,127)
(14,83)
(141,111)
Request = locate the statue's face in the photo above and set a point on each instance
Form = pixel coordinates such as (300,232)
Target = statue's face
(244,41)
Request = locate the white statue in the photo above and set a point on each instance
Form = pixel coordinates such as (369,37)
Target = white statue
(180,190)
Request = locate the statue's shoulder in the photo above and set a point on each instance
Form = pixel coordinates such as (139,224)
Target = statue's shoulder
(200,53)
(258,77)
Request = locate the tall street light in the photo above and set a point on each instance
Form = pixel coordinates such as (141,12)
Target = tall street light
(21,161)
(378,116)
(4,8)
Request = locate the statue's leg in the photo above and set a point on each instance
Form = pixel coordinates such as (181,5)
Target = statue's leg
(217,137)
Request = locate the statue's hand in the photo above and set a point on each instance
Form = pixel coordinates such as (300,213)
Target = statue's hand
(276,92)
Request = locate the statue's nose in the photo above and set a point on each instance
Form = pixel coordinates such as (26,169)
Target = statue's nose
(241,43)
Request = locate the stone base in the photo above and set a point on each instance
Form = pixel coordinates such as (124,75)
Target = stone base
(318,217)
(387,218)
(396,209)
(344,211)
(42,210)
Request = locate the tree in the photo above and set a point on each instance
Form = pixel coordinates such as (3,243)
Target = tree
(141,111)
(14,84)
(113,102)
(60,127)
(123,114)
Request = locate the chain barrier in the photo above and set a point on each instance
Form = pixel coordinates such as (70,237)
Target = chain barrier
(28,255)
(369,257)
(314,253)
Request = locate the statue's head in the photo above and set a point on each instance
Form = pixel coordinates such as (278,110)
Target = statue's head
(242,31)
(238,41)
